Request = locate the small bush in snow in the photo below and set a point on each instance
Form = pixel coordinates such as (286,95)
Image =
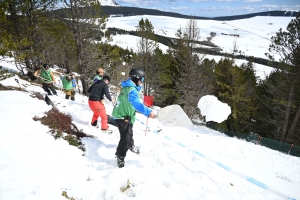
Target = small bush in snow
(62,127)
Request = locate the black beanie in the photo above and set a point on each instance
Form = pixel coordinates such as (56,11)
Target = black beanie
(106,77)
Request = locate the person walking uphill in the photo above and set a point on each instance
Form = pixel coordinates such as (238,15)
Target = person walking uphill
(96,102)
(47,79)
(68,87)
(99,75)
(124,112)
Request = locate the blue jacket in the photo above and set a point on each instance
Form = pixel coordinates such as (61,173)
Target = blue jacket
(128,102)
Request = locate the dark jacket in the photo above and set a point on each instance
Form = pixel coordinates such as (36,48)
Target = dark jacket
(98,90)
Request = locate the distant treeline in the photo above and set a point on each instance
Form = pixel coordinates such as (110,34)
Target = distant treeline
(214,50)
(132,11)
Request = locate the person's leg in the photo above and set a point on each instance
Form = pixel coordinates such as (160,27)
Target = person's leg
(94,106)
(72,95)
(68,93)
(130,136)
(46,89)
(103,115)
(51,87)
(125,129)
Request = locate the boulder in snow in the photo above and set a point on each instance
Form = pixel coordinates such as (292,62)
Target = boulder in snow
(173,115)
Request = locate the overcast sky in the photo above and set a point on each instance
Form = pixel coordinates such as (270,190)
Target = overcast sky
(213,8)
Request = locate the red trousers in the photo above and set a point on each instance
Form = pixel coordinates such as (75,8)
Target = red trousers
(98,109)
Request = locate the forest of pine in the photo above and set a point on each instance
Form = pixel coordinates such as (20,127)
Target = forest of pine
(32,34)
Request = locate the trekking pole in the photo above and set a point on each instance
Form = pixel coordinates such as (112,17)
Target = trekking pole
(18,83)
(146,126)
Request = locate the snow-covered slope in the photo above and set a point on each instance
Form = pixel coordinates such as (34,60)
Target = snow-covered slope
(187,163)
(253,39)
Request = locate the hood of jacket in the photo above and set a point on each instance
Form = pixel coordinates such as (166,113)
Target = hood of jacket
(99,81)
(130,83)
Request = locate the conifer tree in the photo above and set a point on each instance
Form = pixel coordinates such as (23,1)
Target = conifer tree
(20,32)
(231,83)
(287,45)
(188,77)
(147,45)
(87,24)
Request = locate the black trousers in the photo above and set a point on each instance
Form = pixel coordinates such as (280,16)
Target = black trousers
(49,86)
(126,136)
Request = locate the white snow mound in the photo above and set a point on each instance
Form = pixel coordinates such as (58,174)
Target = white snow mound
(213,109)
(173,115)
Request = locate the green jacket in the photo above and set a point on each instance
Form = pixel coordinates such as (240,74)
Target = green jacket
(46,75)
(128,102)
(123,108)
(66,84)
(97,78)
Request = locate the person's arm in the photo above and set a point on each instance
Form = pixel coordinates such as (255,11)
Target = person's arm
(37,72)
(133,98)
(53,78)
(106,92)
(90,89)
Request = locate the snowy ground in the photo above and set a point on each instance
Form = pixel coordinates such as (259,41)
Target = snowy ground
(175,163)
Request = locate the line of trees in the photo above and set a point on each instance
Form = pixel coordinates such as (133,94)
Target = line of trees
(79,42)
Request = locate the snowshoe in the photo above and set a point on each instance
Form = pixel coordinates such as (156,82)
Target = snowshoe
(134,149)
(120,161)
(107,131)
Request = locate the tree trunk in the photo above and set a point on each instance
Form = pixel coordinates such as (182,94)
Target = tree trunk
(287,113)
(293,125)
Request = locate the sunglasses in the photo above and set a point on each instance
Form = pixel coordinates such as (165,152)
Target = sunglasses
(142,79)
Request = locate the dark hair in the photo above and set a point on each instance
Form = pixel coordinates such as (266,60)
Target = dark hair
(106,77)
(69,79)
(46,66)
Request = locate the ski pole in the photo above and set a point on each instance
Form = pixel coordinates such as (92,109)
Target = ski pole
(146,126)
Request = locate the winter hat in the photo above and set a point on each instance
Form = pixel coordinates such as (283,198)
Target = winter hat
(137,75)
(106,77)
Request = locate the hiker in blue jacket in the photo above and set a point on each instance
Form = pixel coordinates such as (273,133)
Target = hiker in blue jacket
(124,113)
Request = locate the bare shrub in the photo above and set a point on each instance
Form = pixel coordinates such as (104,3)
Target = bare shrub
(60,123)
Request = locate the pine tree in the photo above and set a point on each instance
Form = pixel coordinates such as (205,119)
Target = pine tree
(231,83)
(287,45)
(147,60)
(188,78)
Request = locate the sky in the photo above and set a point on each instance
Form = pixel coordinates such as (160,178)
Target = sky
(213,8)
(176,160)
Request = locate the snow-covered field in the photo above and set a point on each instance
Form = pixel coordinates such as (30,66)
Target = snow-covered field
(254,34)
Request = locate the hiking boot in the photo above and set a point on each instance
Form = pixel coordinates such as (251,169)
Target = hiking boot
(94,123)
(134,149)
(120,160)
(107,131)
